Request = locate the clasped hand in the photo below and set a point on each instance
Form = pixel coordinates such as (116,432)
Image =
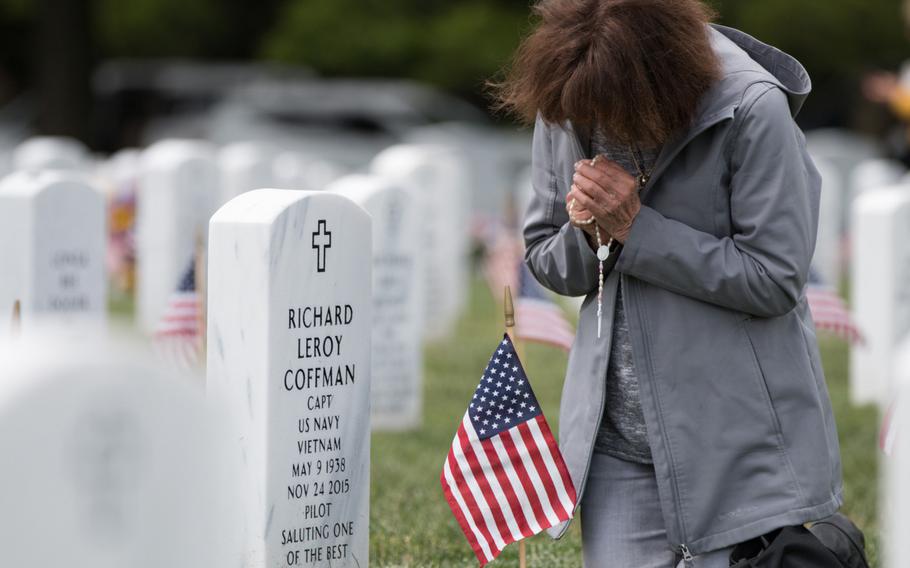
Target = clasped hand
(606,192)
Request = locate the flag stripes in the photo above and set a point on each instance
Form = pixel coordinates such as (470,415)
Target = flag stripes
(537,317)
(178,336)
(829,311)
(542,321)
(507,487)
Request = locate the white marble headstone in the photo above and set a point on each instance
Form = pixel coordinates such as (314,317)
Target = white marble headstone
(51,153)
(108,462)
(491,157)
(845,149)
(828,258)
(178,191)
(121,172)
(874,174)
(894,501)
(52,249)
(438,178)
(397,361)
(521,195)
(880,274)
(293,169)
(289,325)
(245,166)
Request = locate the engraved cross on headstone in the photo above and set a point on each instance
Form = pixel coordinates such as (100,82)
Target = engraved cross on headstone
(322,241)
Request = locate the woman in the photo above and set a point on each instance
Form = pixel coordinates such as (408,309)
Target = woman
(695,414)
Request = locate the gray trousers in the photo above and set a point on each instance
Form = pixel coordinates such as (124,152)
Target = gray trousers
(621,521)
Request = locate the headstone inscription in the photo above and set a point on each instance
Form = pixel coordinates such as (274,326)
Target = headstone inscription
(436,177)
(289,349)
(110,463)
(245,166)
(177,195)
(51,153)
(52,249)
(880,295)
(397,363)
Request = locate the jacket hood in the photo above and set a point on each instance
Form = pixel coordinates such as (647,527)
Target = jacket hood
(746,60)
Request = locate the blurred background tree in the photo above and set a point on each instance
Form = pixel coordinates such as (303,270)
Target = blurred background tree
(455,44)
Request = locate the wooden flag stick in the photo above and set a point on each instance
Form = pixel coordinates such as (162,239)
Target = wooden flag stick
(16,323)
(509,310)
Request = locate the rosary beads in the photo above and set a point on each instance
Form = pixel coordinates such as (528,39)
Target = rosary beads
(603,252)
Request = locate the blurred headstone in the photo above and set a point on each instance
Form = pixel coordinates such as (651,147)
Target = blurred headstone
(297,170)
(895,496)
(522,194)
(874,174)
(397,363)
(492,158)
(110,463)
(829,246)
(879,288)
(178,191)
(52,249)
(289,350)
(844,149)
(245,166)
(436,177)
(51,153)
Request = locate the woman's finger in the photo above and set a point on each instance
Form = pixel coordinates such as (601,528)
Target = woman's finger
(586,202)
(605,197)
(590,187)
(620,180)
(613,176)
(593,173)
(576,212)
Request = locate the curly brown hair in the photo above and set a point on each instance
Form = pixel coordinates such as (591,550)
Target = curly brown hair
(636,69)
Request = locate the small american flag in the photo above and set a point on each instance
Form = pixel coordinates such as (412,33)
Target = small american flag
(537,317)
(829,311)
(504,477)
(178,337)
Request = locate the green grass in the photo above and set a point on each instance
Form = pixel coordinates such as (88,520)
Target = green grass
(411,524)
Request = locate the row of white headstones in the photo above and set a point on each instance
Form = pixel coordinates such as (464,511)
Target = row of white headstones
(115,462)
(52,241)
(866,206)
(880,363)
(318,303)
(869,210)
(299,284)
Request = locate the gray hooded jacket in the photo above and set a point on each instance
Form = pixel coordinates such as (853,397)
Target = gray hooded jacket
(714,272)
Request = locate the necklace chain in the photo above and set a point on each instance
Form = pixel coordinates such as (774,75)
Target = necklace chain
(638,160)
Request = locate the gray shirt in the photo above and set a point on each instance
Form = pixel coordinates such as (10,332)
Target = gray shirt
(622,432)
